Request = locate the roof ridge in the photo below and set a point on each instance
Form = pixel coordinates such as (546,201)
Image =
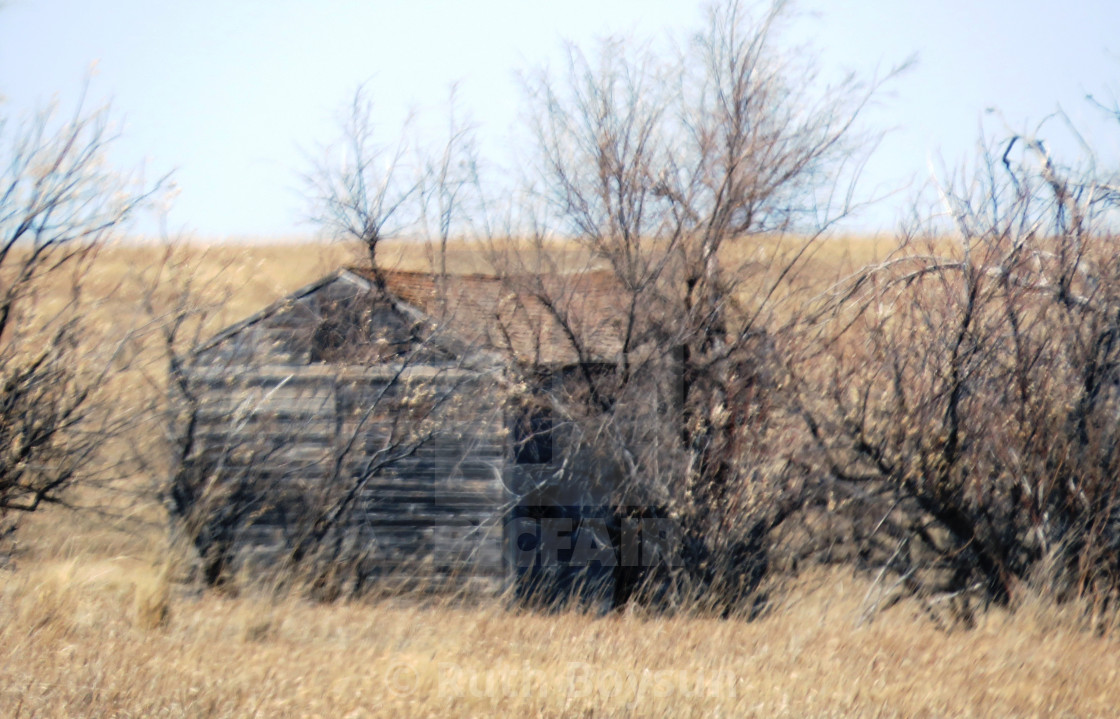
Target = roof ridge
(365,271)
(478,308)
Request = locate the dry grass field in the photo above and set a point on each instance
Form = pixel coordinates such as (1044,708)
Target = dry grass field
(88,637)
(95,622)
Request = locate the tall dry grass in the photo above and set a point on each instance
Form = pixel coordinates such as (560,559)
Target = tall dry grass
(94,622)
(80,638)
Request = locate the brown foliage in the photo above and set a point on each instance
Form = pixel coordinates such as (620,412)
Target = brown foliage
(965,400)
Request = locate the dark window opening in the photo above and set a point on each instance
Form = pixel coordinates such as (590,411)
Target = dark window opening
(330,341)
(532,436)
(351,334)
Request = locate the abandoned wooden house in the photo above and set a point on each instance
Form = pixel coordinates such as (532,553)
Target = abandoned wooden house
(396,424)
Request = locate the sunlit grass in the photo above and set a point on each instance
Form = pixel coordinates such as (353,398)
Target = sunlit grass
(81,637)
(94,620)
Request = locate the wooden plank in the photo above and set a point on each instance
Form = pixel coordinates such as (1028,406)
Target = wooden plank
(433,516)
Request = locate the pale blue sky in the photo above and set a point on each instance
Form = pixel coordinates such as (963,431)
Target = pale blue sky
(228,93)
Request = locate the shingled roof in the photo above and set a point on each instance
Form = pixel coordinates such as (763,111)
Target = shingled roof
(544,320)
(548,319)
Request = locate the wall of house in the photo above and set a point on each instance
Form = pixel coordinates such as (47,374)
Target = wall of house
(415,447)
(342,321)
(338,396)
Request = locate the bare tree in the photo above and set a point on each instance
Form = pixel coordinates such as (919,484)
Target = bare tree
(59,204)
(452,203)
(965,400)
(696,185)
(362,190)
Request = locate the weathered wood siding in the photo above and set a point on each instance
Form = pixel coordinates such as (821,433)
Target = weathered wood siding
(303,434)
(341,308)
(429,491)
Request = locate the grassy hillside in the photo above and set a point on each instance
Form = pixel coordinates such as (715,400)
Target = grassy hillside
(94,623)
